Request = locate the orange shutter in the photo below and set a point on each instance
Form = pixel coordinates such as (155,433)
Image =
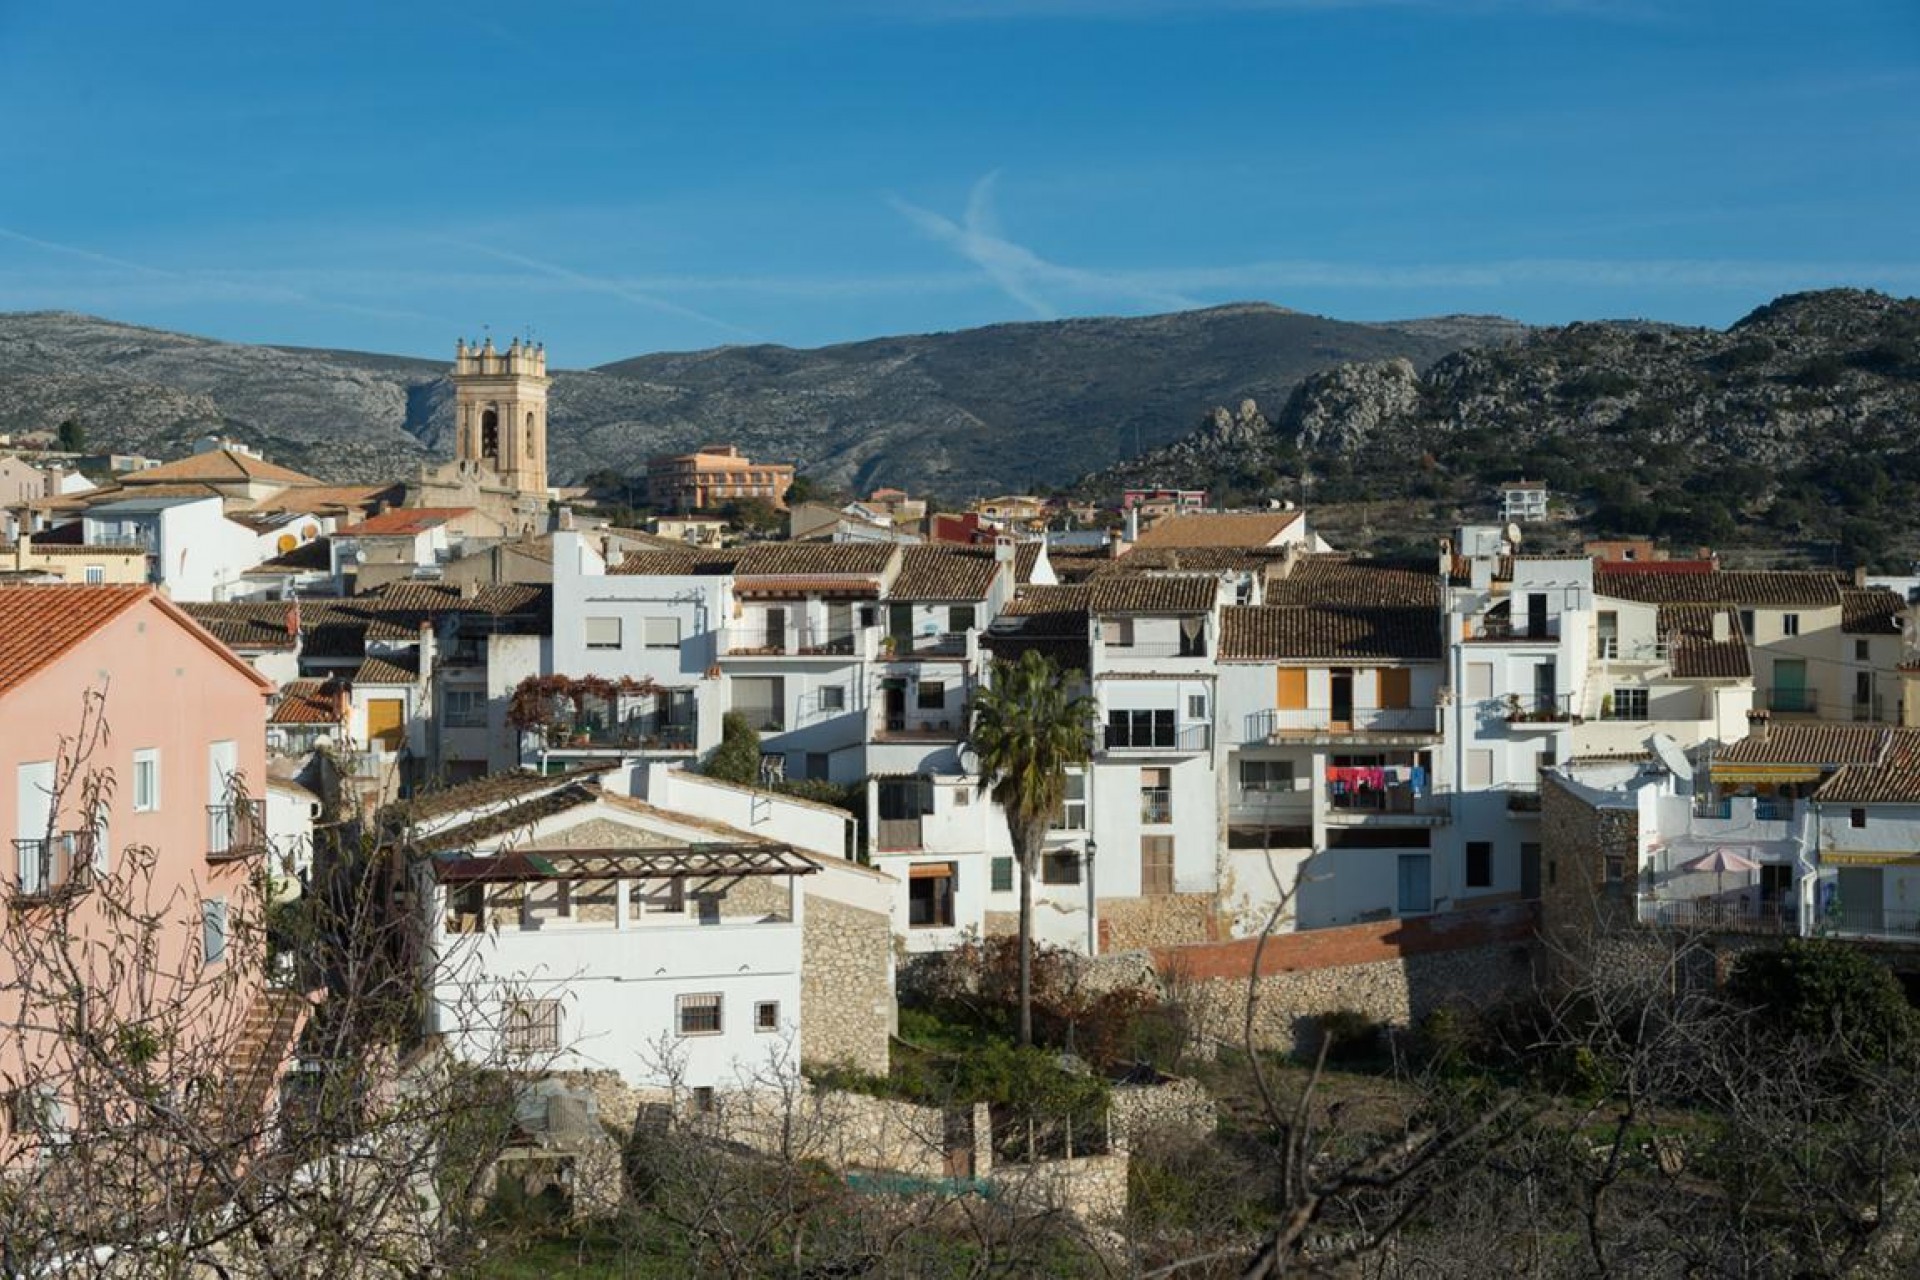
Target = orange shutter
(386,722)
(1396,687)
(1290,690)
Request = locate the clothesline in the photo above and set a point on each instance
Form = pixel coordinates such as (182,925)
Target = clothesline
(1345,778)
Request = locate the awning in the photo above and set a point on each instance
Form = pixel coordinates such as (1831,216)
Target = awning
(1768,772)
(1869,858)
(930,870)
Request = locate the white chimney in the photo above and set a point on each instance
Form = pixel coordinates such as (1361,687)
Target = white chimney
(1722,629)
(1042,574)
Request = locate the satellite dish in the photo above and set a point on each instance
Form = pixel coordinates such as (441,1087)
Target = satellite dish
(1512,534)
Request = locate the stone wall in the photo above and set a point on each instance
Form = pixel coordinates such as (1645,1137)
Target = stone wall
(847,1010)
(1395,972)
(1137,1110)
(1169,920)
(1577,904)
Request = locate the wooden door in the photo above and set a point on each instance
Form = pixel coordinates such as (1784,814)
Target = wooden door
(387,722)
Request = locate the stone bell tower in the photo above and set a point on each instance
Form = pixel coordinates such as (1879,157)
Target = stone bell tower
(500,413)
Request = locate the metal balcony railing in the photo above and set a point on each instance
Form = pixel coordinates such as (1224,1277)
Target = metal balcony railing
(1280,722)
(237,829)
(937,644)
(1721,915)
(949,728)
(51,868)
(1137,737)
(791,640)
(1870,922)
(1615,649)
(1540,708)
(637,733)
(1196,648)
(1499,628)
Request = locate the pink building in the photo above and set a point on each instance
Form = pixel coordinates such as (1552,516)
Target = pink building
(132,775)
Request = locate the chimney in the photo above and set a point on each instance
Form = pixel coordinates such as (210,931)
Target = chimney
(1114,544)
(1133,524)
(1859,575)
(1759,725)
(1722,627)
(1042,573)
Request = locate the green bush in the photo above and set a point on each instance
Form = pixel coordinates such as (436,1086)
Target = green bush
(737,758)
(1828,993)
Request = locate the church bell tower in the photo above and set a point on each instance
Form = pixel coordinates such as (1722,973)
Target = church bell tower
(500,412)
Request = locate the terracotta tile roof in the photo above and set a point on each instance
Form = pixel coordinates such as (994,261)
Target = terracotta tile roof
(40,546)
(1871,611)
(1343,580)
(402,522)
(1137,594)
(1051,619)
(329,499)
(257,628)
(1809,743)
(1062,602)
(1460,570)
(1075,566)
(386,671)
(306,702)
(570,795)
(39,624)
(787,587)
(1189,560)
(1334,632)
(676,563)
(218,466)
(1694,654)
(482,793)
(1894,780)
(944,573)
(1251,529)
(815,559)
(332,628)
(1770,588)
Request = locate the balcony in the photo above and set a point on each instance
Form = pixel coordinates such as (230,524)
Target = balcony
(897,835)
(1870,924)
(1792,700)
(1741,913)
(792,642)
(1394,804)
(1615,649)
(933,646)
(1496,629)
(1542,710)
(56,868)
(1380,726)
(235,830)
(916,729)
(1157,737)
(1195,648)
(636,733)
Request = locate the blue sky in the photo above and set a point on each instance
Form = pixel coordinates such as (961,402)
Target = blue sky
(625,178)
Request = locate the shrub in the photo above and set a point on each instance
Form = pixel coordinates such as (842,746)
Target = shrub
(1827,992)
(737,758)
(1351,1036)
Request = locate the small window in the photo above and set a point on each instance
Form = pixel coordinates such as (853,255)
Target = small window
(1003,875)
(1061,866)
(698,1015)
(1156,795)
(1120,633)
(1746,624)
(656,633)
(960,618)
(146,780)
(213,930)
(833,697)
(766,1015)
(1629,703)
(933,696)
(1862,650)
(1156,866)
(95,575)
(1196,706)
(1857,818)
(1789,624)
(962,797)
(1072,815)
(533,1026)
(1616,868)
(709,908)
(603,633)
(1479,864)
(703,1099)
(1259,777)
(464,708)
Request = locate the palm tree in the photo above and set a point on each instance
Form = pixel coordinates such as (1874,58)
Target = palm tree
(1027,729)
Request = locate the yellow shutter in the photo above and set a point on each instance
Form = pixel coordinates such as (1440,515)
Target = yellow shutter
(386,722)
(1290,690)
(1396,687)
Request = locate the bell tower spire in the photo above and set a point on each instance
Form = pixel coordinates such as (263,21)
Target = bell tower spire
(500,412)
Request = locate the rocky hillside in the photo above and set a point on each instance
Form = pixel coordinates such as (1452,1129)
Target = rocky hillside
(956,413)
(1799,424)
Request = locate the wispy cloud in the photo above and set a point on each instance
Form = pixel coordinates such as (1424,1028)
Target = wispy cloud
(612,287)
(1019,272)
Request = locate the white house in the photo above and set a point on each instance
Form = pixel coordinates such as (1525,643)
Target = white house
(193,550)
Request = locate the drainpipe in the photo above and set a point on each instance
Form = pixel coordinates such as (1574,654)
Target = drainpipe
(1093,922)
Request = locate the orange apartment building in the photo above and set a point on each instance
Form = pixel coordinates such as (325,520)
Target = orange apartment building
(714,476)
(130,898)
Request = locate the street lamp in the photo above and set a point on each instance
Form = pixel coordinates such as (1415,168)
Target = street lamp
(1093,924)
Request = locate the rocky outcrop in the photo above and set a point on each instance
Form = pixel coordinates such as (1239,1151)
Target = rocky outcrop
(1344,409)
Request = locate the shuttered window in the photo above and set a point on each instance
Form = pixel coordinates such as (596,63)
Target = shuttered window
(1290,688)
(1156,866)
(602,633)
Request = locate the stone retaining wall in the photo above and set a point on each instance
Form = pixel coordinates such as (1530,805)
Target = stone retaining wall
(846,988)
(1169,920)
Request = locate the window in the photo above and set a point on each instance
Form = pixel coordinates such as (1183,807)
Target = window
(962,797)
(1156,866)
(762,699)
(1072,815)
(703,1102)
(1120,633)
(1789,624)
(833,697)
(533,1026)
(95,575)
(1616,868)
(1258,777)
(464,708)
(766,1015)
(146,780)
(932,696)
(1746,623)
(36,1109)
(1629,703)
(1156,795)
(1196,706)
(709,904)
(1479,864)
(1862,650)
(1002,875)
(930,895)
(1141,729)
(213,930)
(960,618)
(656,633)
(603,633)
(1857,818)
(698,1015)
(1060,866)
